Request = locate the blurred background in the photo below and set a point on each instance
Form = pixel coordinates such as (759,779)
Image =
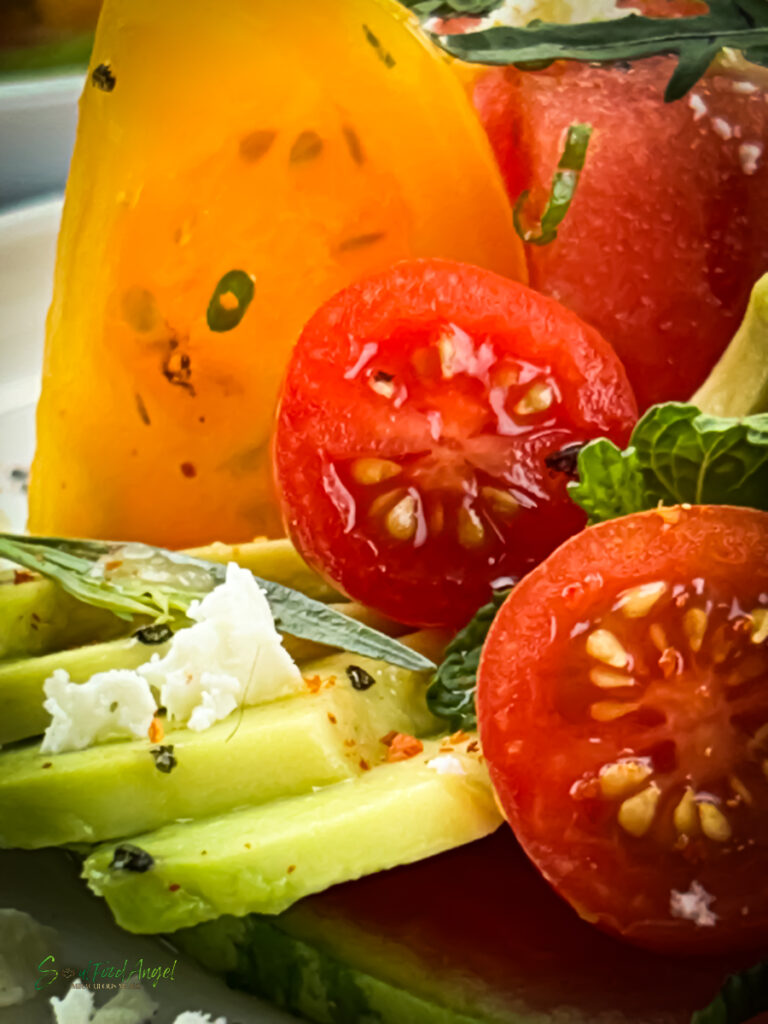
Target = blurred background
(44,51)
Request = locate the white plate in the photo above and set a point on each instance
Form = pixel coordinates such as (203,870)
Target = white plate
(45,883)
(38,120)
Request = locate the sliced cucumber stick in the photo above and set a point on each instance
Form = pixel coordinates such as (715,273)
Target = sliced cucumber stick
(263,859)
(290,746)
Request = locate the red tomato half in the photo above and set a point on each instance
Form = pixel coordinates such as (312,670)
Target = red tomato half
(668,230)
(623,705)
(418,412)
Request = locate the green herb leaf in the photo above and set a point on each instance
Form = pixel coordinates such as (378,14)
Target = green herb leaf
(741,998)
(740,24)
(231,298)
(450,8)
(676,454)
(137,579)
(451,694)
(563,189)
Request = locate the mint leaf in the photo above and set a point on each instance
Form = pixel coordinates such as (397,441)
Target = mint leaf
(137,579)
(741,24)
(451,694)
(742,996)
(676,454)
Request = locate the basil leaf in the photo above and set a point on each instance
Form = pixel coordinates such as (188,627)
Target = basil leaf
(137,579)
(563,188)
(676,454)
(231,298)
(451,694)
(741,998)
(740,24)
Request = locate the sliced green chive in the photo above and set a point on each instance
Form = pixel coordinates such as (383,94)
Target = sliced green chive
(564,185)
(231,298)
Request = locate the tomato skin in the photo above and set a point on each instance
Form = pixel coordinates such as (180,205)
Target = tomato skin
(667,232)
(330,416)
(540,751)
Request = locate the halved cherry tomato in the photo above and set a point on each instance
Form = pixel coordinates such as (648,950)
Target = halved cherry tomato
(418,412)
(623,705)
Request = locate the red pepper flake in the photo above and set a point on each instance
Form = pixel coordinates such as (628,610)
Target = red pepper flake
(156,731)
(403,747)
(48,764)
(330,681)
(22,576)
(364,765)
(332,718)
(459,737)
(111,566)
(188,470)
(174,887)
(472,747)
(386,740)
(313,683)
(291,869)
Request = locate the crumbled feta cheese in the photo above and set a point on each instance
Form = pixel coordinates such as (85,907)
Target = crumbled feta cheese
(129,1006)
(23,944)
(749,156)
(744,87)
(446,764)
(196,1017)
(721,127)
(113,704)
(697,105)
(75,1008)
(518,13)
(232,655)
(693,905)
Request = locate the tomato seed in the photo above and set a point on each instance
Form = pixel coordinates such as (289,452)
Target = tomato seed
(714,823)
(636,814)
(638,601)
(606,647)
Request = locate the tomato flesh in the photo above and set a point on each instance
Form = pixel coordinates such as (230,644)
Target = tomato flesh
(667,232)
(417,417)
(623,704)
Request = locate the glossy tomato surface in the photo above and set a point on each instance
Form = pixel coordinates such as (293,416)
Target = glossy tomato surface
(418,413)
(623,706)
(668,230)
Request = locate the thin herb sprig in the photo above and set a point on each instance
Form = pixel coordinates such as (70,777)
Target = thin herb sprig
(139,580)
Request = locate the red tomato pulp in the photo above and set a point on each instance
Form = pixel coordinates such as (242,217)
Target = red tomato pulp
(669,227)
(623,708)
(418,413)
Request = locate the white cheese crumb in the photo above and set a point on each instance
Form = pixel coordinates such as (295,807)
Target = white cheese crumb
(747,88)
(697,105)
(721,127)
(693,905)
(518,13)
(749,156)
(24,943)
(129,1006)
(196,1017)
(446,764)
(232,655)
(111,705)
